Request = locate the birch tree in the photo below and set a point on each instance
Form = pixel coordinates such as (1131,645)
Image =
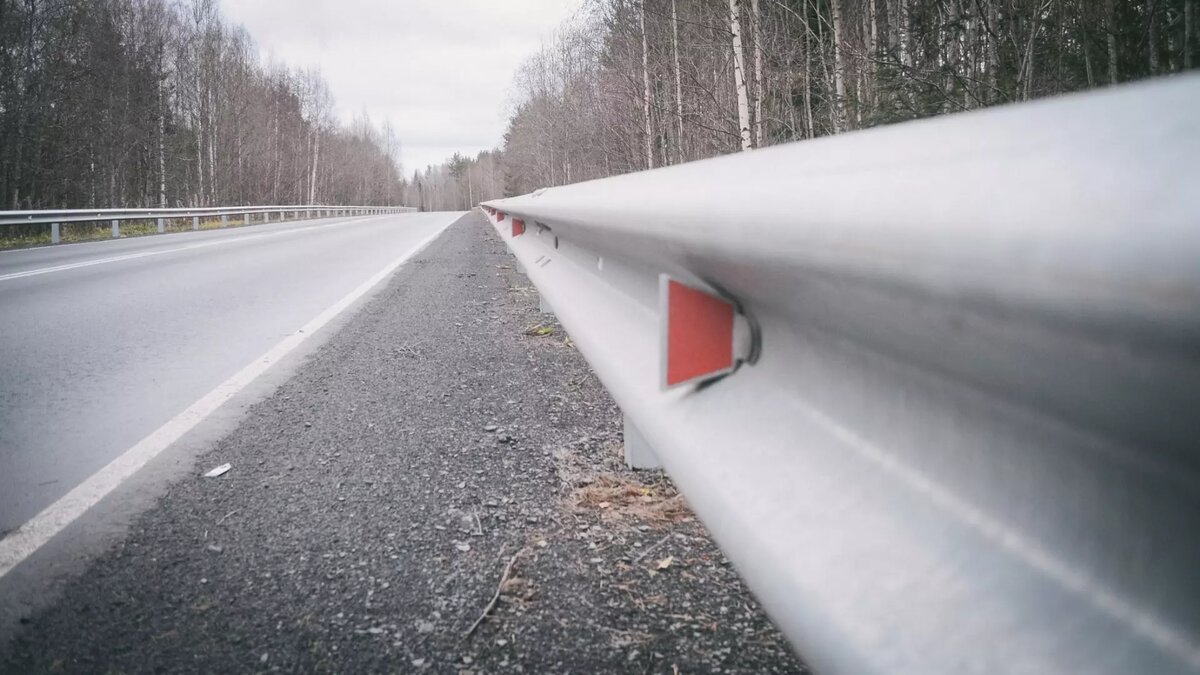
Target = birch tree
(739,74)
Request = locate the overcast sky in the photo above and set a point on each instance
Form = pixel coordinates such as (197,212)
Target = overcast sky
(440,70)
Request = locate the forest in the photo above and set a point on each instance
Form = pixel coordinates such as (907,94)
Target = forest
(636,84)
(126,103)
(141,103)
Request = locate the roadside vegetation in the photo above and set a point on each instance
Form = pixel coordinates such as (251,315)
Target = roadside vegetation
(27,236)
(629,85)
(164,103)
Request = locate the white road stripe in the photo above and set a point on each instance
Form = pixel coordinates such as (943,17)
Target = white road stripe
(147,254)
(27,539)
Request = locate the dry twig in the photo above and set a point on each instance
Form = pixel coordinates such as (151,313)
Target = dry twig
(647,551)
(496,597)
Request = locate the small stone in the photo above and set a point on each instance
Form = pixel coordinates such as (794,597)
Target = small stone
(203,581)
(501,642)
(264,657)
(425,627)
(490,428)
(375,631)
(596,561)
(418,662)
(307,424)
(215,549)
(462,546)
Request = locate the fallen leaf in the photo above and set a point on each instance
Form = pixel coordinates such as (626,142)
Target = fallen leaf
(665,562)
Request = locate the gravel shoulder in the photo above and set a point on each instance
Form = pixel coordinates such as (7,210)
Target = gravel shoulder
(448,452)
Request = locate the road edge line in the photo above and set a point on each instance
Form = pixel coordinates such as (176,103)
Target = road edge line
(23,542)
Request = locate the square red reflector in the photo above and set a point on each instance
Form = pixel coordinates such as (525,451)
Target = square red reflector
(518,227)
(697,333)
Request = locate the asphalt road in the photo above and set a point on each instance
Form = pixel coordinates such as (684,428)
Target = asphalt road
(377,498)
(102,343)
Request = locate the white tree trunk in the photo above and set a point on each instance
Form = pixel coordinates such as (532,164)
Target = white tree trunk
(759,91)
(994,51)
(682,153)
(646,93)
(312,182)
(839,67)
(162,151)
(872,50)
(739,74)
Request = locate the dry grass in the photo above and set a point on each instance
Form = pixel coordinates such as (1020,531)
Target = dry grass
(618,496)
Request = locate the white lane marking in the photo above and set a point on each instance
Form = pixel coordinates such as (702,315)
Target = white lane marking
(1164,636)
(147,254)
(25,540)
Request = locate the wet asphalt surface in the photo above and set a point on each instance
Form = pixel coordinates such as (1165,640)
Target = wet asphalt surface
(377,499)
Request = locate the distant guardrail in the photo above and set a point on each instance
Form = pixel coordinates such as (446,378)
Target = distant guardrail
(934,388)
(55,219)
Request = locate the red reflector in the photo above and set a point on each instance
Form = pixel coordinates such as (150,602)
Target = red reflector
(518,227)
(499,217)
(697,335)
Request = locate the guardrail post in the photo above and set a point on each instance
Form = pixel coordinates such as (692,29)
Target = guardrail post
(224,220)
(543,306)
(638,453)
(195,222)
(54,238)
(162,225)
(116,227)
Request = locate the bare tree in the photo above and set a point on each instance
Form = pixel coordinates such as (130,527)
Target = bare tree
(739,74)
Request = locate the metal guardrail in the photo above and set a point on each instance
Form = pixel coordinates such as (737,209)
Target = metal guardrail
(56,218)
(964,432)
